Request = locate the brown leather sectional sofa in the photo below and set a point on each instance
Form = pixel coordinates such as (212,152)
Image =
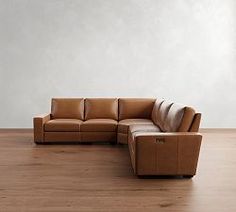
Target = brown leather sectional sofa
(162,136)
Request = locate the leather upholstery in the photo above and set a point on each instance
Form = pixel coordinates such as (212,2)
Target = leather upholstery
(144,123)
(161,114)
(123,128)
(123,125)
(122,138)
(99,125)
(63,125)
(166,115)
(133,108)
(65,108)
(39,122)
(62,137)
(144,128)
(165,153)
(98,137)
(187,119)
(101,108)
(155,110)
(174,118)
(196,123)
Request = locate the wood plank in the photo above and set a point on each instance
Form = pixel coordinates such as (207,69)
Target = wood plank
(99,177)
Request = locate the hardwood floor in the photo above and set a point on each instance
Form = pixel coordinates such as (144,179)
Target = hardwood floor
(99,178)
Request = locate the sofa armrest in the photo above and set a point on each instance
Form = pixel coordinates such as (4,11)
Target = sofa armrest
(39,122)
(167,153)
(186,140)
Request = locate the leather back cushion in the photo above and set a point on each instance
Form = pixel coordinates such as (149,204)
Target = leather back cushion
(179,118)
(101,108)
(155,110)
(161,114)
(130,108)
(67,108)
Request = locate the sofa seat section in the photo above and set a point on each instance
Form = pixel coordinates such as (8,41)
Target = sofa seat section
(123,125)
(144,128)
(123,128)
(63,125)
(99,130)
(99,125)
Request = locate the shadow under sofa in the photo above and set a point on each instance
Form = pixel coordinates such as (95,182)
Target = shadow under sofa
(162,136)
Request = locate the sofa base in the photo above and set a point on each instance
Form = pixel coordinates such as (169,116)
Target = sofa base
(122,138)
(98,137)
(62,137)
(78,137)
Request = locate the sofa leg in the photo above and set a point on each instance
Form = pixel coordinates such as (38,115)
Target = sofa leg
(38,142)
(187,176)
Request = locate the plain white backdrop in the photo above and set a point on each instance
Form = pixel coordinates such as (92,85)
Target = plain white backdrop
(182,50)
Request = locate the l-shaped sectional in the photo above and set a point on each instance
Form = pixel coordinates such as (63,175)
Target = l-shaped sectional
(162,136)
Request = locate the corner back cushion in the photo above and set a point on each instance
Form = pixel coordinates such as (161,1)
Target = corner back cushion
(161,114)
(101,108)
(67,108)
(155,110)
(179,118)
(131,108)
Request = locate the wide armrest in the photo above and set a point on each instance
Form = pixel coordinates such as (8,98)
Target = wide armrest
(39,121)
(167,153)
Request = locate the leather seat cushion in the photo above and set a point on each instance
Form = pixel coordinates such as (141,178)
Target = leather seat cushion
(99,125)
(144,128)
(123,125)
(130,108)
(66,108)
(101,108)
(62,125)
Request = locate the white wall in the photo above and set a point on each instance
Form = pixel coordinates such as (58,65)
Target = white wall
(182,50)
